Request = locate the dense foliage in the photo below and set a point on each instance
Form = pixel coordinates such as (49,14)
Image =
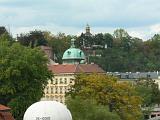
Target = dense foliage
(23,75)
(118,52)
(88,110)
(149,91)
(120,97)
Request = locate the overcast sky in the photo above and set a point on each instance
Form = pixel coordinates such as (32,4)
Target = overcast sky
(141,18)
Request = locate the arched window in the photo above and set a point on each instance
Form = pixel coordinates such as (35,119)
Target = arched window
(69,52)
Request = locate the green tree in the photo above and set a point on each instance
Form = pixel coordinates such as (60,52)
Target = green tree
(121,97)
(120,33)
(99,39)
(59,44)
(23,76)
(108,39)
(149,91)
(88,110)
(33,38)
(85,41)
(3,30)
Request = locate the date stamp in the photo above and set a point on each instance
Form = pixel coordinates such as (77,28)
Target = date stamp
(43,118)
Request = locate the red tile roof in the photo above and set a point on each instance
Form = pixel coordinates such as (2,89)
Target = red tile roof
(4,108)
(89,68)
(75,68)
(5,114)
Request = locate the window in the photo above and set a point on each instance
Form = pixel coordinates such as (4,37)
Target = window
(80,53)
(47,90)
(71,79)
(56,81)
(56,90)
(153,115)
(148,76)
(127,76)
(52,90)
(65,80)
(61,90)
(51,81)
(66,89)
(69,52)
(61,81)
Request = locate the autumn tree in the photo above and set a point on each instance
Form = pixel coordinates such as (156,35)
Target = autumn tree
(23,76)
(120,97)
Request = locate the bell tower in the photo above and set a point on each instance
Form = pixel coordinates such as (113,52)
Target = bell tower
(88,32)
(88,29)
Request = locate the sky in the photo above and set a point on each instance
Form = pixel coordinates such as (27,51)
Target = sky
(140,18)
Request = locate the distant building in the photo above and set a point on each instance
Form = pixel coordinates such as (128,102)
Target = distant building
(5,113)
(90,48)
(132,76)
(64,74)
(154,115)
(48,51)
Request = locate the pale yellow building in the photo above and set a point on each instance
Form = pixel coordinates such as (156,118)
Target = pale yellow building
(64,74)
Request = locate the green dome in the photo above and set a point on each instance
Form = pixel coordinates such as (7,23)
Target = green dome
(73,55)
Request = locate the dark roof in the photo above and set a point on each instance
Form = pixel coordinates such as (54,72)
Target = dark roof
(135,75)
(75,68)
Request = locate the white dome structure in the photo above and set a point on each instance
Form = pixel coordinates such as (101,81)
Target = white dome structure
(47,110)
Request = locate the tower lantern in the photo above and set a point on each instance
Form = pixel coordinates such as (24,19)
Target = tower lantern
(87,28)
(88,33)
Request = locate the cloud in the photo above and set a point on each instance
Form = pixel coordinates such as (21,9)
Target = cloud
(139,17)
(155,28)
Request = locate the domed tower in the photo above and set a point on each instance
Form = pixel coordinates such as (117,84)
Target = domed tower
(73,55)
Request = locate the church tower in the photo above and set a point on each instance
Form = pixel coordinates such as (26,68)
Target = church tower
(88,33)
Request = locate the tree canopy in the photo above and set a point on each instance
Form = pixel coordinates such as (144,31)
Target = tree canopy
(23,76)
(149,91)
(88,110)
(113,52)
(120,97)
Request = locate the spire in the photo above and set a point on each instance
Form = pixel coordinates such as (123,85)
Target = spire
(72,43)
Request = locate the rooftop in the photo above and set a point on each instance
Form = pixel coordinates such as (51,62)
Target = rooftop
(4,108)
(75,68)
